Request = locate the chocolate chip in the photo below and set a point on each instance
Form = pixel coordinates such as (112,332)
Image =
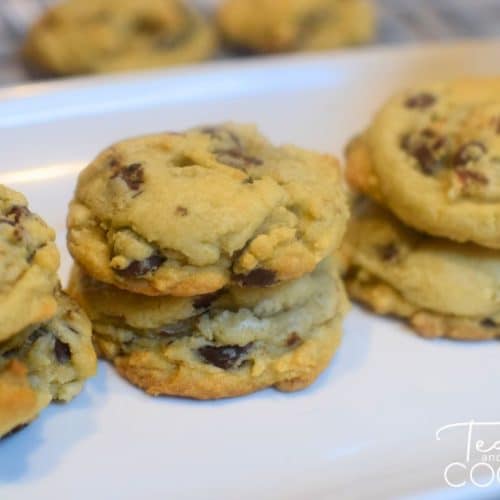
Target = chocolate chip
(429,164)
(39,332)
(222,133)
(133,175)
(258,277)
(293,340)
(236,158)
(139,268)
(439,143)
(248,180)
(205,301)
(420,101)
(18,211)
(468,152)
(114,163)
(225,357)
(182,211)
(62,351)
(488,323)
(388,252)
(467,176)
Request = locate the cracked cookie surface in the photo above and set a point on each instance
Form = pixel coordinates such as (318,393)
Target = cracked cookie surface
(188,213)
(28,265)
(45,362)
(220,345)
(89,36)
(294,25)
(442,287)
(432,155)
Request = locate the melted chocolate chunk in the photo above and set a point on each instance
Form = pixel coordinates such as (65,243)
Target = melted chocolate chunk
(293,340)
(423,100)
(39,332)
(248,180)
(429,164)
(258,277)
(439,143)
(132,175)
(425,152)
(62,351)
(205,301)
(467,176)
(388,252)
(222,133)
(139,268)
(182,211)
(18,211)
(469,152)
(488,323)
(225,357)
(236,158)
(114,163)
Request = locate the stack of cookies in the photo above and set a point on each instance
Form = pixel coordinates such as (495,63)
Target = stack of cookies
(203,259)
(46,349)
(432,158)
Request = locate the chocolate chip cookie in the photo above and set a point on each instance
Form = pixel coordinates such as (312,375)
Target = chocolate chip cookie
(44,362)
(28,265)
(94,36)
(225,344)
(443,288)
(432,155)
(295,25)
(189,213)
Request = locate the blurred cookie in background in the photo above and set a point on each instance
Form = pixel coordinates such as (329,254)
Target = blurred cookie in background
(267,26)
(95,36)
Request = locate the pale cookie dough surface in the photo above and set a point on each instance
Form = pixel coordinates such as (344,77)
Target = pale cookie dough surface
(188,213)
(295,25)
(444,288)
(432,155)
(93,36)
(50,361)
(229,344)
(28,265)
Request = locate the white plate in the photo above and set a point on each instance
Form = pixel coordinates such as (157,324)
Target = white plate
(367,428)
